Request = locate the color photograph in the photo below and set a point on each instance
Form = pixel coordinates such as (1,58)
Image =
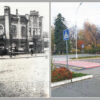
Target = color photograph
(75,49)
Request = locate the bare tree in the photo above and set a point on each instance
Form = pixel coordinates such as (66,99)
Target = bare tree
(91,34)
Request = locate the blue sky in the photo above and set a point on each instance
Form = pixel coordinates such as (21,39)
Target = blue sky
(88,11)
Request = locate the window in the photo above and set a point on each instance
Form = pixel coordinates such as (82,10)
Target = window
(30,31)
(1,29)
(23,31)
(13,31)
(35,21)
(40,24)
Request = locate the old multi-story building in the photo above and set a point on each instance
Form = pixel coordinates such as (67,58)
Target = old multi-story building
(21,32)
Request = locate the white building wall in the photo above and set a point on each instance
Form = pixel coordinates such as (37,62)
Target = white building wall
(19,28)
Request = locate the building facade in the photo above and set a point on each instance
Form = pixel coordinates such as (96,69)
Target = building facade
(21,32)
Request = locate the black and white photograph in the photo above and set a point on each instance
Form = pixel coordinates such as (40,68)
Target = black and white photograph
(24,49)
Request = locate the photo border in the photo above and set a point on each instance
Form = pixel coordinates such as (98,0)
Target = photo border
(51,98)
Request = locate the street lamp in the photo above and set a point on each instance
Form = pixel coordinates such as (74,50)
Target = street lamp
(76,26)
(10,45)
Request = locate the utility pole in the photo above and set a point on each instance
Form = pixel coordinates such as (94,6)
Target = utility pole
(76,32)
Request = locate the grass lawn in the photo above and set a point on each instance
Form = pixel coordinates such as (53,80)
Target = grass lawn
(74,75)
(87,57)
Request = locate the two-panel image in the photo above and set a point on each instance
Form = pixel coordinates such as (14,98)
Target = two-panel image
(49,49)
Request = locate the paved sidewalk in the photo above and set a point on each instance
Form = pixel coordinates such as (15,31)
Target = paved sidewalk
(24,56)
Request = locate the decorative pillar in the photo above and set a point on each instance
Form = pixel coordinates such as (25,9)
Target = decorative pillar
(7,26)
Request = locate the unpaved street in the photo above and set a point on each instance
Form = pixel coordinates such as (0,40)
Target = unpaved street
(24,77)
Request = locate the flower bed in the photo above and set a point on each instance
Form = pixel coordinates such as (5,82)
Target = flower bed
(62,73)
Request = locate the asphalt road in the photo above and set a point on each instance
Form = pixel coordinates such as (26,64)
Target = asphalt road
(63,57)
(85,88)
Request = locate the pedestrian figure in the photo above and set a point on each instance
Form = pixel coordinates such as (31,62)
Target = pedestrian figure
(10,53)
(15,50)
(31,52)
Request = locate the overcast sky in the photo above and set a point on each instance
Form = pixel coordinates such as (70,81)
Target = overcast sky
(88,11)
(25,7)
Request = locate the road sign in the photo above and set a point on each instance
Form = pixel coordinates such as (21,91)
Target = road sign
(66,34)
(66,37)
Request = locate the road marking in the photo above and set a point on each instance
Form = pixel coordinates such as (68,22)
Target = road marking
(79,64)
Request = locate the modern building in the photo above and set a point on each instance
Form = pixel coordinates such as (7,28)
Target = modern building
(21,32)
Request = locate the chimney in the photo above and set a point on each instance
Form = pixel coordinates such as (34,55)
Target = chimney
(7,10)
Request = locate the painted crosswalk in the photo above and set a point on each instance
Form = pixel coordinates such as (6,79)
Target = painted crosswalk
(79,64)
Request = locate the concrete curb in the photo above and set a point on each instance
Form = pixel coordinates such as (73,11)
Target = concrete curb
(85,58)
(71,81)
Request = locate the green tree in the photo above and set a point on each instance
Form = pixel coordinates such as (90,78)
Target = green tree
(58,34)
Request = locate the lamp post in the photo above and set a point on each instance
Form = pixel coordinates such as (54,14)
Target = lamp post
(10,45)
(76,26)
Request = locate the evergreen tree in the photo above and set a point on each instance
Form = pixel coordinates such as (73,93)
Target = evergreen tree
(58,34)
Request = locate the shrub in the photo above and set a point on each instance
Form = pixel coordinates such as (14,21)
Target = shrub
(61,73)
(98,45)
(89,49)
(98,49)
(74,51)
(92,50)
